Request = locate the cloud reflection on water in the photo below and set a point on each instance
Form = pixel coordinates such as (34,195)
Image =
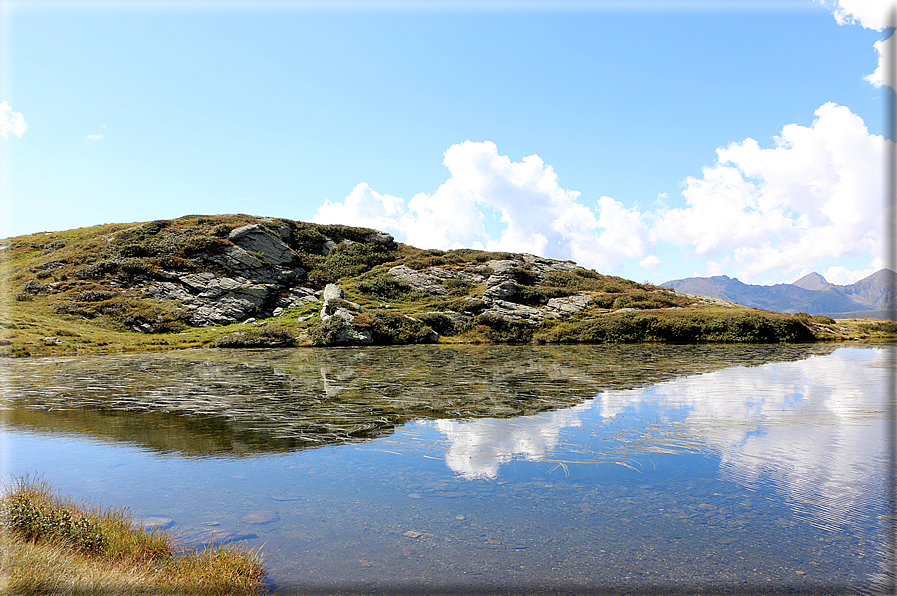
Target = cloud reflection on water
(814,428)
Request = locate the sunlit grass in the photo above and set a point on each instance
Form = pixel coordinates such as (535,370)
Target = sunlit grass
(53,545)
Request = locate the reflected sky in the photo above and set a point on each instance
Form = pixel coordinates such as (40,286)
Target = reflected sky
(669,464)
(815,429)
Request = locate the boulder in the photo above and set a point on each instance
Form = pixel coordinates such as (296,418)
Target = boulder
(569,306)
(450,274)
(332,292)
(419,281)
(511,311)
(258,239)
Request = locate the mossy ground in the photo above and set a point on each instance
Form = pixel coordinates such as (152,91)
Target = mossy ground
(71,292)
(53,545)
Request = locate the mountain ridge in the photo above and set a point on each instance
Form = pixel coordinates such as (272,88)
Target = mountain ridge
(812,293)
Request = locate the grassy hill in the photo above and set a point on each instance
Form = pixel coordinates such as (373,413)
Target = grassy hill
(240,280)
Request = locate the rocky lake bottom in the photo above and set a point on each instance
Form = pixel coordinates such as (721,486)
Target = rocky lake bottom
(485,469)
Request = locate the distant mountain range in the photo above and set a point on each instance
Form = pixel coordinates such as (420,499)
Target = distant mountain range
(871,297)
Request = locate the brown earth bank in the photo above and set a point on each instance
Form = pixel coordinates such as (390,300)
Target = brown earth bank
(245,281)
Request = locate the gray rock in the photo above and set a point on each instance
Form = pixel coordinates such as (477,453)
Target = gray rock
(332,292)
(542,266)
(499,287)
(419,281)
(381,238)
(567,307)
(240,263)
(450,274)
(167,290)
(350,336)
(234,306)
(340,312)
(277,311)
(258,239)
(510,311)
(503,267)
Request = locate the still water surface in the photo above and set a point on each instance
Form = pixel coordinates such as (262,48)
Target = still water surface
(484,469)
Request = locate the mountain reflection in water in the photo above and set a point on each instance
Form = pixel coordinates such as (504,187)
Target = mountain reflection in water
(211,402)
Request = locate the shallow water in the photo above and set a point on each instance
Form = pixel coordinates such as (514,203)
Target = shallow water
(499,469)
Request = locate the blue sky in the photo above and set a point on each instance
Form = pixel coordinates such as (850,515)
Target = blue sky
(586,131)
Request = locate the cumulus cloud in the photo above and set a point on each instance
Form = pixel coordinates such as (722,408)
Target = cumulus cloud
(816,195)
(539,216)
(885,49)
(810,200)
(870,14)
(11,122)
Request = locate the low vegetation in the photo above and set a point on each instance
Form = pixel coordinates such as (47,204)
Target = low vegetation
(53,545)
(85,291)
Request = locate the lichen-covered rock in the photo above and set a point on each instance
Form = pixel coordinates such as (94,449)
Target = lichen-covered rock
(462,275)
(569,306)
(511,311)
(499,287)
(256,238)
(420,282)
(332,292)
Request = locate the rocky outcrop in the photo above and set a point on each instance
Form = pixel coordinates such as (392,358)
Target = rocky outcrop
(442,273)
(569,306)
(424,283)
(337,310)
(503,284)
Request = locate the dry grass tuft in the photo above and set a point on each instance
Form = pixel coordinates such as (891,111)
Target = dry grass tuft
(52,545)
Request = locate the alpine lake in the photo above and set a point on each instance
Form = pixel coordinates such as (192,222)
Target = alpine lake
(465,469)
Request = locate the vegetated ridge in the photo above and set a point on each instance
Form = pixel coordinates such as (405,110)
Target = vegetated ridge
(871,297)
(241,280)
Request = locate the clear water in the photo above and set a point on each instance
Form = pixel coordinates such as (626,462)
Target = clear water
(485,469)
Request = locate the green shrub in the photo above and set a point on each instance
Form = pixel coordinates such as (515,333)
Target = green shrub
(470,307)
(307,239)
(94,295)
(326,333)
(523,276)
(439,322)
(347,261)
(637,327)
(494,328)
(391,328)
(256,337)
(457,287)
(572,280)
(536,296)
(467,255)
(384,286)
(34,518)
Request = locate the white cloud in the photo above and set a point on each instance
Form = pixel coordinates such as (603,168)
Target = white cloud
(479,447)
(11,122)
(843,276)
(649,262)
(885,50)
(539,216)
(870,14)
(95,137)
(811,199)
(816,195)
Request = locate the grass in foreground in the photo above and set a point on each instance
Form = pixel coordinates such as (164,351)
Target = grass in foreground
(52,545)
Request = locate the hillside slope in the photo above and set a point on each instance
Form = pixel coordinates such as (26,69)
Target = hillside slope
(240,280)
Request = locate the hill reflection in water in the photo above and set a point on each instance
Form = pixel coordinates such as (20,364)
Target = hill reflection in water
(228,403)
